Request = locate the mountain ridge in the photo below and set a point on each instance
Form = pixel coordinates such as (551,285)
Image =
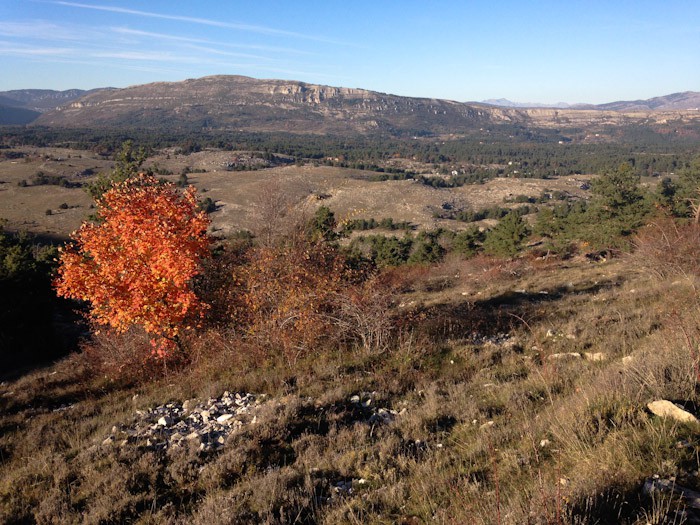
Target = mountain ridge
(234,102)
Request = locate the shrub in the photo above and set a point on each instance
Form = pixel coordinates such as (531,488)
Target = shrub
(664,248)
(128,163)
(468,242)
(287,295)
(135,266)
(506,238)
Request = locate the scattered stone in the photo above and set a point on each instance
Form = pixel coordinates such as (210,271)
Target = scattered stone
(365,404)
(495,340)
(486,425)
(545,443)
(565,355)
(342,487)
(664,408)
(208,423)
(691,498)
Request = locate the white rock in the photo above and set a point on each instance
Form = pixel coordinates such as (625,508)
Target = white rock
(223,418)
(165,421)
(486,425)
(594,356)
(664,408)
(565,355)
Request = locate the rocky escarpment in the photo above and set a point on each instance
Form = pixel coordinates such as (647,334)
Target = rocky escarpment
(242,103)
(235,102)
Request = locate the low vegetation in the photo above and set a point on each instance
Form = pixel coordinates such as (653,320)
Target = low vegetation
(497,374)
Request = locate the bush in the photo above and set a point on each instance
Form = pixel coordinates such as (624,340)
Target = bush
(286,295)
(666,248)
(136,265)
(28,306)
(506,239)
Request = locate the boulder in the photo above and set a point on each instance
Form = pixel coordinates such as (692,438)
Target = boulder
(664,408)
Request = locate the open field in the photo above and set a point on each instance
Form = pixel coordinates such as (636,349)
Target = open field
(239,194)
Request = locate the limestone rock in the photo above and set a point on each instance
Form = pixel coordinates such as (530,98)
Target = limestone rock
(664,408)
(565,355)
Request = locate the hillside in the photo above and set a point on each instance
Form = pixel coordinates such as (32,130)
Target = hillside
(22,106)
(517,399)
(13,116)
(688,101)
(242,103)
(263,105)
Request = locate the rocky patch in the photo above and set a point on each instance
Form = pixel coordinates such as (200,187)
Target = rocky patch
(207,424)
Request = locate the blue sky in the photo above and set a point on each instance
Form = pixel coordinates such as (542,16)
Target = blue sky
(527,51)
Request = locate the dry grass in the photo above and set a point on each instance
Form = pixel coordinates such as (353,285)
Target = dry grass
(242,197)
(494,430)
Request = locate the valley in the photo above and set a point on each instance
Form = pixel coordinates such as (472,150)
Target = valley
(373,309)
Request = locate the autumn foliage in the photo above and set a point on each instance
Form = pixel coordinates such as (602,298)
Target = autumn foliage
(287,295)
(135,264)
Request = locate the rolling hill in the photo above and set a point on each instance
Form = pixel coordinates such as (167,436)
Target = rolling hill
(242,103)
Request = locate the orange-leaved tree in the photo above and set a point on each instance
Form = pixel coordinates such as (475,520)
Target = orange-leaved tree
(135,265)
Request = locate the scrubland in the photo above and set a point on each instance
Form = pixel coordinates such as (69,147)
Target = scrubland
(500,375)
(519,390)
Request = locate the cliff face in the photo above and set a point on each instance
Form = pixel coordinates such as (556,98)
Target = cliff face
(234,102)
(242,103)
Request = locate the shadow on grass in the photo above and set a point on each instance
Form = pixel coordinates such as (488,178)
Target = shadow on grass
(497,315)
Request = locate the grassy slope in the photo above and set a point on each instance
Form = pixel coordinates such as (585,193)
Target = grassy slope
(571,440)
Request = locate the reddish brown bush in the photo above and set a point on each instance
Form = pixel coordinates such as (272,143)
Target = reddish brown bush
(665,248)
(286,296)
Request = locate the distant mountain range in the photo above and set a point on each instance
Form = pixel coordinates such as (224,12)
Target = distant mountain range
(505,103)
(686,101)
(22,106)
(243,103)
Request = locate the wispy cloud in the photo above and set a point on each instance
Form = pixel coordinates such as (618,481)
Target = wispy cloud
(179,38)
(210,50)
(196,20)
(11,48)
(42,30)
(138,55)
